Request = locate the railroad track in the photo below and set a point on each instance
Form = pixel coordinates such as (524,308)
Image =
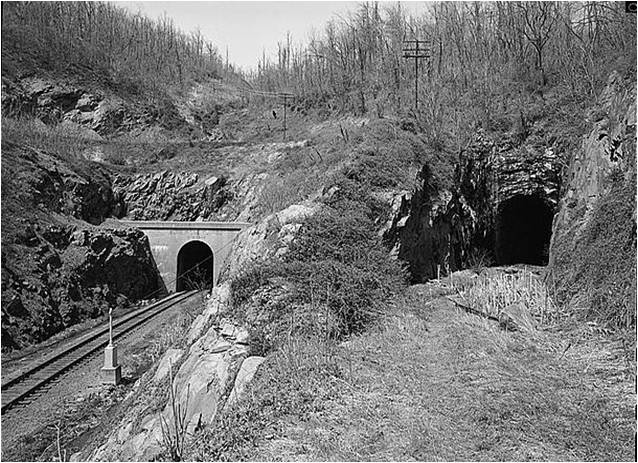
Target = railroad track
(25,384)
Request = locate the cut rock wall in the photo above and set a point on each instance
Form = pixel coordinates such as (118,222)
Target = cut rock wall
(593,248)
(58,270)
(439,229)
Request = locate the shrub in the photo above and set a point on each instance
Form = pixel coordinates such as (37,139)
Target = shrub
(334,280)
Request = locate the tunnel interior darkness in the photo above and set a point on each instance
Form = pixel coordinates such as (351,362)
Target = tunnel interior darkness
(194,266)
(523,231)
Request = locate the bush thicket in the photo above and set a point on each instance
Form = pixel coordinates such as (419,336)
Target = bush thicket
(337,275)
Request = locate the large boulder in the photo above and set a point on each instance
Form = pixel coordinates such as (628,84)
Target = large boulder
(270,237)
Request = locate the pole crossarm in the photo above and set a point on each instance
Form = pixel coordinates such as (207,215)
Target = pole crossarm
(416,49)
(284,95)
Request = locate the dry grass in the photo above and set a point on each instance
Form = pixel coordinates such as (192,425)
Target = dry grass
(280,192)
(492,292)
(436,384)
(66,139)
(297,380)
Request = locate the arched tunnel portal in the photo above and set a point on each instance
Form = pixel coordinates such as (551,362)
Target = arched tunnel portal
(523,231)
(178,247)
(194,266)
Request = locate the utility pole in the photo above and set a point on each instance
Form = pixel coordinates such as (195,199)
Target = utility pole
(285,97)
(412,50)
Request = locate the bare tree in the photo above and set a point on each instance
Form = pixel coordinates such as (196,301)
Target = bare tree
(539,19)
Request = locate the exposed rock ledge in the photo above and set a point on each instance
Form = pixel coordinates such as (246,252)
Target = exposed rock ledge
(214,371)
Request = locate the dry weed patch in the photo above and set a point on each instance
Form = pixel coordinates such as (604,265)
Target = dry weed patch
(432,383)
(492,293)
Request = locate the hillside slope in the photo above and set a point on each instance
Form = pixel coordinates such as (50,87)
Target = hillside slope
(57,269)
(83,100)
(360,197)
(431,383)
(593,252)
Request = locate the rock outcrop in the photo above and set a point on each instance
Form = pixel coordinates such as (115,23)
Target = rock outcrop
(54,101)
(593,246)
(57,270)
(210,374)
(71,275)
(173,196)
(270,237)
(39,180)
(434,228)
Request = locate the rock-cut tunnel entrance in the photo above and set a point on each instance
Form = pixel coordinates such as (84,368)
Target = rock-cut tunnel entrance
(523,231)
(194,266)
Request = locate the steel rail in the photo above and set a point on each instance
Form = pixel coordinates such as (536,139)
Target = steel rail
(26,383)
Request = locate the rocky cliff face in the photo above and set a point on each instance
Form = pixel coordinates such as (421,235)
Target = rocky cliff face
(207,376)
(505,195)
(57,270)
(227,183)
(72,275)
(593,248)
(54,101)
(436,229)
(38,181)
(173,196)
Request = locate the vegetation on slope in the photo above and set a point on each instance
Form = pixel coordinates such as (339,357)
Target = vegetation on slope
(593,268)
(335,277)
(128,52)
(598,281)
(486,60)
(491,66)
(456,388)
(430,383)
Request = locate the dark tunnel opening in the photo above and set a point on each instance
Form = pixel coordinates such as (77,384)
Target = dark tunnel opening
(523,231)
(194,266)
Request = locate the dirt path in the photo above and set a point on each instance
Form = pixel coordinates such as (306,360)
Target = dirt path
(436,384)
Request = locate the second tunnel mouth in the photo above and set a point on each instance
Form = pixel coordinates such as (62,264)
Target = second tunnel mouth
(523,231)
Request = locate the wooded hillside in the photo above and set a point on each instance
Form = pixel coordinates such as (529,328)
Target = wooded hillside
(127,50)
(484,58)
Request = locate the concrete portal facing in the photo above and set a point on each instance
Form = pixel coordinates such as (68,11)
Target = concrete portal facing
(168,238)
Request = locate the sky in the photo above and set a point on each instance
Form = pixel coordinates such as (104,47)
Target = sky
(248,27)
